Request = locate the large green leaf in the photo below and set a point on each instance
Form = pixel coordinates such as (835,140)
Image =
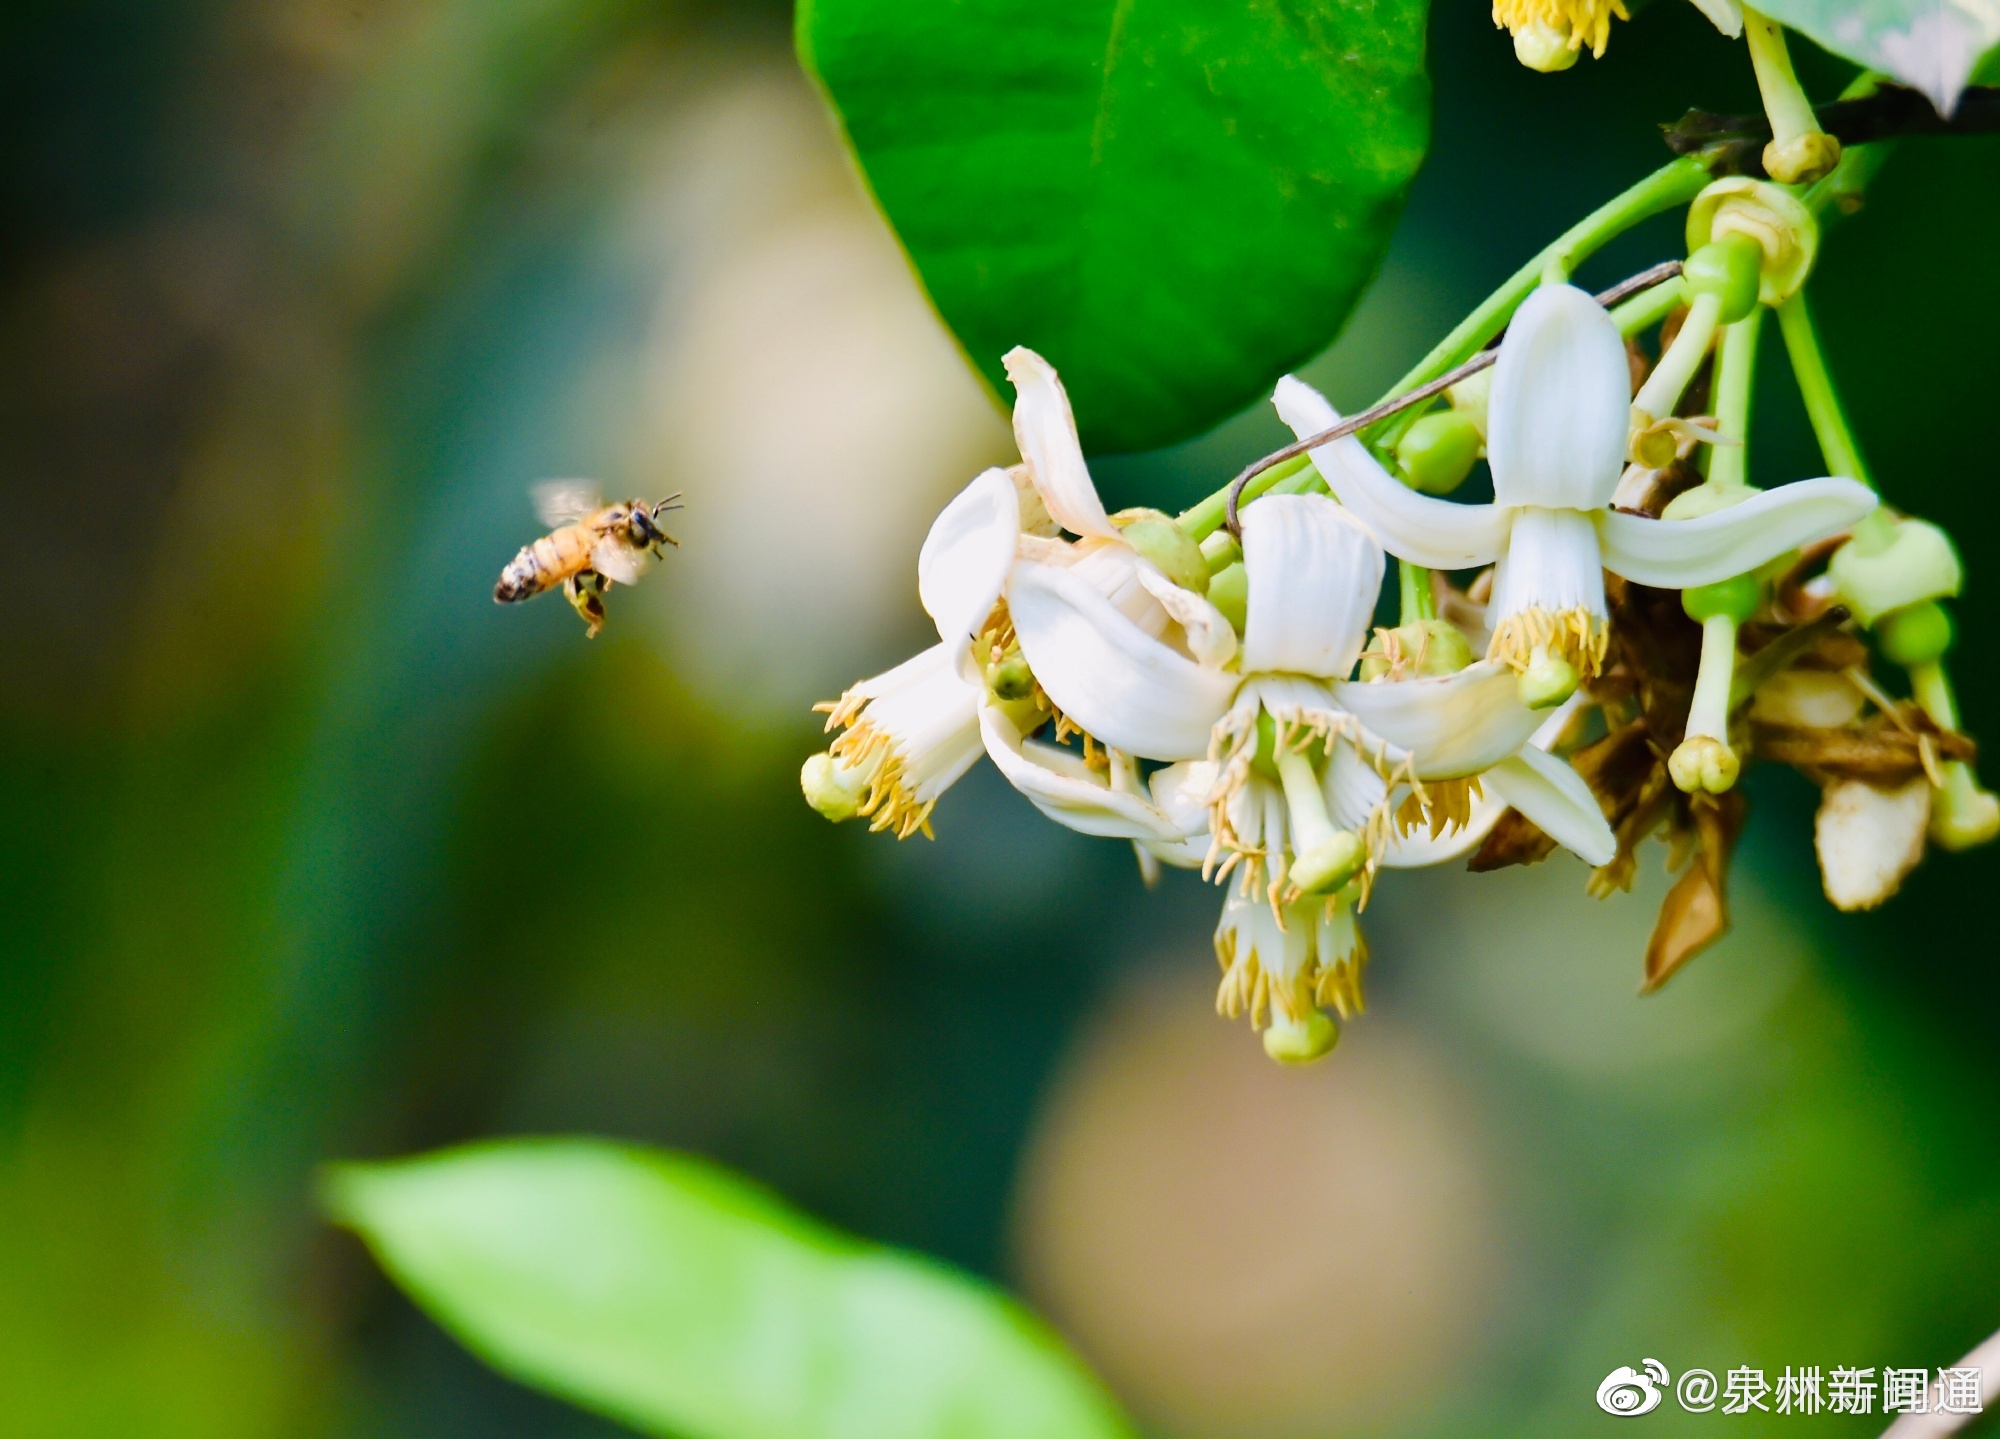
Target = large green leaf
(1173,200)
(1931,45)
(681,1300)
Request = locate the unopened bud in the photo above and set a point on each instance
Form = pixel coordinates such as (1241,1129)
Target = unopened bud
(1300,1041)
(1541,46)
(1171,549)
(832,788)
(1769,214)
(1917,563)
(1229,591)
(1703,764)
(1438,451)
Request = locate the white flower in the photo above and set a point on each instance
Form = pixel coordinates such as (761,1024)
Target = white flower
(1305,759)
(914,730)
(1558,420)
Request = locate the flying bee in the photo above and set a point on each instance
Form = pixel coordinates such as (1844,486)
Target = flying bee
(591,547)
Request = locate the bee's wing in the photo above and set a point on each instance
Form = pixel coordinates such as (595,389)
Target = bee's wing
(617,559)
(564,502)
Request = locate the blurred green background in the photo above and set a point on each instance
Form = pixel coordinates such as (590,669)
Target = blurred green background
(316,853)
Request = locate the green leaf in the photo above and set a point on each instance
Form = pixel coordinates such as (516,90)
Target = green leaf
(1174,201)
(1929,45)
(671,1295)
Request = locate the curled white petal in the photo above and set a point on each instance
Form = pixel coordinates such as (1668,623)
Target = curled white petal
(1068,791)
(1551,794)
(1676,554)
(1108,675)
(1560,409)
(1725,15)
(1045,429)
(929,716)
(1182,791)
(966,555)
(1314,572)
(1414,527)
(1353,788)
(1454,725)
(1209,638)
(1552,563)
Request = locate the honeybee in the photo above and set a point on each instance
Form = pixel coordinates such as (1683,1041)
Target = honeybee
(591,546)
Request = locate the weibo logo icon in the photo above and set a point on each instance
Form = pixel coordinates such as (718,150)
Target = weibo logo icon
(1627,1391)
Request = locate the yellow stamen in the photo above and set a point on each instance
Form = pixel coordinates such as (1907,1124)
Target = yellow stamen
(1587,22)
(1575,635)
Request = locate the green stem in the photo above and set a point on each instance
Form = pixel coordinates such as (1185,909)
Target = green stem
(1661,394)
(1735,382)
(1823,407)
(1204,517)
(1791,113)
(1642,312)
(1673,184)
(1414,585)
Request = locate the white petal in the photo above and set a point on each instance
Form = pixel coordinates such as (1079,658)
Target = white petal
(1414,527)
(1554,797)
(1675,554)
(967,554)
(1209,638)
(1068,791)
(1725,15)
(1181,791)
(1454,724)
(1314,572)
(1557,419)
(931,717)
(1045,430)
(1352,787)
(1552,563)
(1108,675)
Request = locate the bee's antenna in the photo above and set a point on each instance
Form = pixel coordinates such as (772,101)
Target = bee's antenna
(669,503)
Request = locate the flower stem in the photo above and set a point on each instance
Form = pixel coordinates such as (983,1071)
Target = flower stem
(1708,714)
(1799,150)
(1823,407)
(1663,388)
(1735,382)
(1673,184)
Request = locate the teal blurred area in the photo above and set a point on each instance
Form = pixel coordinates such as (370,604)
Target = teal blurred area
(315,853)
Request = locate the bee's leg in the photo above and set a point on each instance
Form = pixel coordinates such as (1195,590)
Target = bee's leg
(585,592)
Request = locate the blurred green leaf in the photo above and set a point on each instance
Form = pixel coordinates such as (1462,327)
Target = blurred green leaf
(1931,45)
(671,1295)
(1174,201)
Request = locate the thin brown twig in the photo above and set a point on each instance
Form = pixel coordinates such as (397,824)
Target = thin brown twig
(1232,520)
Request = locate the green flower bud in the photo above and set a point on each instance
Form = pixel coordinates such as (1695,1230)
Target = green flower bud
(1301,1043)
(1437,452)
(1548,680)
(1229,591)
(1918,563)
(1736,597)
(1731,269)
(832,788)
(1469,396)
(1172,550)
(1916,634)
(1329,864)
(1769,214)
(1703,763)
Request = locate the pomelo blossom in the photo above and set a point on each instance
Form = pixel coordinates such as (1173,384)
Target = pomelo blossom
(910,732)
(1305,761)
(1557,428)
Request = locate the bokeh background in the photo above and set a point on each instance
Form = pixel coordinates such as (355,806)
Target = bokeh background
(312,852)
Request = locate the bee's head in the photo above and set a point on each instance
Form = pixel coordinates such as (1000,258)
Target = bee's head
(641,527)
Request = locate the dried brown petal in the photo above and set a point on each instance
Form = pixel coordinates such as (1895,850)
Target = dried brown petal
(1696,911)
